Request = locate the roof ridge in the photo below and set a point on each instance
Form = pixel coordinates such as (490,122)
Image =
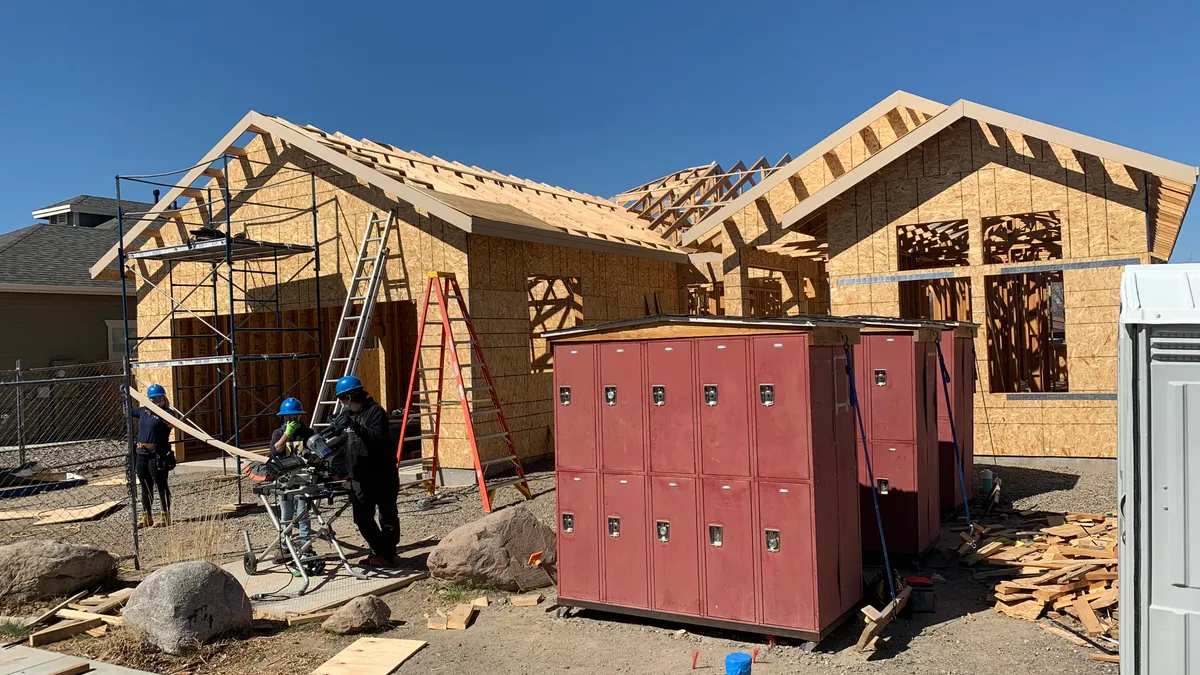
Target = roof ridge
(30,229)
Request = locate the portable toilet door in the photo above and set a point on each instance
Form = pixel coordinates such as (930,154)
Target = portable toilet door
(1158,472)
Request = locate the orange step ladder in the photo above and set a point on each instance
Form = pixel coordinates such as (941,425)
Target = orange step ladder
(427,402)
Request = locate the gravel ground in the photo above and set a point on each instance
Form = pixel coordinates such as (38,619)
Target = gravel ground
(964,636)
(1056,489)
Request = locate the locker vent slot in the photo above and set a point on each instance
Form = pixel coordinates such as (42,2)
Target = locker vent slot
(663,530)
(568,522)
(1174,345)
(564,395)
(614,527)
(715,535)
(658,394)
(772,537)
(610,395)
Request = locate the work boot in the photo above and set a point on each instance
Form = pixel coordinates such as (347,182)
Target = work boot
(147,520)
(165,519)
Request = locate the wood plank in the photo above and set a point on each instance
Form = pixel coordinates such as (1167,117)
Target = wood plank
(1055,630)
(371,656)
(301,619)
(527,600)
(1106,658)
(71,669)
(461,617)
(874,628)
(1029,610)
(195,432)
(77,514)
(76,614)
(481,601)
(436,623)
(1087,617)
(62,631)
(116,599)
(51,612)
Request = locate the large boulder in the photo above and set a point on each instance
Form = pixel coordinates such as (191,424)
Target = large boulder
(40,568)
(181,606)
(494,551)
(365,612)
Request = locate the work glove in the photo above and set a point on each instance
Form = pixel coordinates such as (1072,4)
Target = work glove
(290,429)
(343,420)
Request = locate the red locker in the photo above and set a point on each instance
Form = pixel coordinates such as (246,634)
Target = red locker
(781,410)
(728,541)
(675,544)
(578,536)
(889,386)
(724,407)
(672,407)
(625,535)
(622,398)
(575,405)
(786,555)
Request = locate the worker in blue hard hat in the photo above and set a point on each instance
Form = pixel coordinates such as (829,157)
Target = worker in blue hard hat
(371,460)
(287,439)
(153,457)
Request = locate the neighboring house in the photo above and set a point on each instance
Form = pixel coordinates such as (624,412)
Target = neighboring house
(58,314)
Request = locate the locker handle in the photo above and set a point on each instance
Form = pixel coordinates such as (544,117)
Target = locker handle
(880,377)
(614,527)
(564,395)
(658,394)
(884,486)
(715,535)
(772,540)
(710,394)
(766,394)
(568,522)
(610,395)
(663,529)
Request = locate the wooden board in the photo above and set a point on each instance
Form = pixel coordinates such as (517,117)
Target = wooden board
(62,631)
(1086,616)
(192,431)
(76,514)
(874,628)
(371,656)
(112,601)
(1029,610)
(21,514)
(301,619)
(76,614)
(72,669)
(527,600)
(461,617)
(1106,658)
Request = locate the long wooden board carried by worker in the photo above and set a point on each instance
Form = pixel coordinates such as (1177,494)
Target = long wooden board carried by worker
(194,432)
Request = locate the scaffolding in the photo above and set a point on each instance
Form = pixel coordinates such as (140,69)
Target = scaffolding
(248,272)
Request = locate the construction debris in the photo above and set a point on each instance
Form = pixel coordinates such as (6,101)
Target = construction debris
(1060,566)
(461,617)
(527,600)
(370,656)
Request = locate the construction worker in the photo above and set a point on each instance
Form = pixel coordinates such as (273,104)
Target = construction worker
(285,440)
(371,460)
(153,456)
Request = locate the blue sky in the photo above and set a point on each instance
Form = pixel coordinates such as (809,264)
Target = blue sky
(592,96)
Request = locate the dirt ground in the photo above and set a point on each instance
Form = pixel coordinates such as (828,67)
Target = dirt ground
(964,635)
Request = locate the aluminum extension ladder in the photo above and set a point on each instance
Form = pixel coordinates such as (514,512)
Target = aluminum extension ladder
(352,328)
(422,403)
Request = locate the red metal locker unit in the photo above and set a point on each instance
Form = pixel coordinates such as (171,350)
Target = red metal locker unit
(748,497)
(895,367)
(575,406)
(578,541)
(958,347)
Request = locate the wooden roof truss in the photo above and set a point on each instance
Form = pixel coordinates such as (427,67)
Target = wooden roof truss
(1024,237)
(932,245)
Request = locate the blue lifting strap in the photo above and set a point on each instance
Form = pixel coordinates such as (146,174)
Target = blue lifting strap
(958,461)
(862,434)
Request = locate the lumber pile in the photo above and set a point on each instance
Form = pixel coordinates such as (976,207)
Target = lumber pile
(79,614)
(1060,567)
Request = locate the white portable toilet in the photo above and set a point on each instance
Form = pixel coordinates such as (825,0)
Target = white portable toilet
(1158,472)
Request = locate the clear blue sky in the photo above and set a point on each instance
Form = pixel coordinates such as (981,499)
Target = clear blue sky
(594,96)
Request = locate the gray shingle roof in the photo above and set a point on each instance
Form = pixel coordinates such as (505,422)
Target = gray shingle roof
(54,255)
(93,204)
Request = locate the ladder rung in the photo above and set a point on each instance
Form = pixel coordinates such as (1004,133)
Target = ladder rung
(439,404)
(496,434)
(354,318)
(454,297)
(427,370)
(374,239)
(326,402)
(498,460)
(473,364)
(488,411)
(464,342)
(430,413)
(425,391)
(504,482)
(458,318)
(358,297)
(437,346)
(360,278)
(348,337)
(422,437)
(340,358)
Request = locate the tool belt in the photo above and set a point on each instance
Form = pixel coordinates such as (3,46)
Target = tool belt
(146,446)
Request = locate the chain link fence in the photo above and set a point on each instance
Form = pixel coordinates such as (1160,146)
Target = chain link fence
(64,457)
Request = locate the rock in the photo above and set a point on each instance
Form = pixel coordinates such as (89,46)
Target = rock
(365,612)
(40,568)
(494,551)
(183,605)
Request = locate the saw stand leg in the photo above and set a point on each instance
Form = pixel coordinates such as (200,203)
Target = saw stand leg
(326,530)
(284,532)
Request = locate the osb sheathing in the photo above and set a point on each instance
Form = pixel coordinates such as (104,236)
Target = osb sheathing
(970,171)
(494,283)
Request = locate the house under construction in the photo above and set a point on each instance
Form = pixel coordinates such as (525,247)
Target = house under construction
(914,209)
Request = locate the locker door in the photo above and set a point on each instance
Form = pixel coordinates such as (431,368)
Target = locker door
(625,534)
(785,551)
(672,407)
(724,407)
(889,375)
(674,545)
(728,543)
(578,536)
(781,407)
(621,403)
(575,406)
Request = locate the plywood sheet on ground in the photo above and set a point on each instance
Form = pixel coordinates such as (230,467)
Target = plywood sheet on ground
(331,589)
(76,514)
(370,656)
(21,660)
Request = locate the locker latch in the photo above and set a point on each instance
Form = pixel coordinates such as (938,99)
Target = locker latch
(610,395)
(880,377)
(715,533)
(663,528)
(564,395)
(772,537)
(658,394)
(766,394)
(614,527)
(568,522)
(883,486)
(710,394)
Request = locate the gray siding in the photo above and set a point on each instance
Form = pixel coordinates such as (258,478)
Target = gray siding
(44,327)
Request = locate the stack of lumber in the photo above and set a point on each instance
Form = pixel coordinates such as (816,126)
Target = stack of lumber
(1063,567)
(80,614)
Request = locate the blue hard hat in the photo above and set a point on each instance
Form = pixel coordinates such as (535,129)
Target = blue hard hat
(347,384)
(155,391)
(291,406)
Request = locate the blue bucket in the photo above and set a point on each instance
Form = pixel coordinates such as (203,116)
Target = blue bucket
(737,663)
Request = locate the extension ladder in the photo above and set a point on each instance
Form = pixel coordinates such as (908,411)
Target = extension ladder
(352,328)
(422,403)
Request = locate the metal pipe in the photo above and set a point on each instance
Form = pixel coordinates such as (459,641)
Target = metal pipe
(20,418)
(237,432)
(130,457)
(312,190)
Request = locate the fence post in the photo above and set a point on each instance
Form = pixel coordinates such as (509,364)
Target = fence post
(20,419)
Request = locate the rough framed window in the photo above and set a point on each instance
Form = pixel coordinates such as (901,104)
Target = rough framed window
(1024,237)
(554,303)
(936,299)
(923,246)
(706,299)
(1026,348)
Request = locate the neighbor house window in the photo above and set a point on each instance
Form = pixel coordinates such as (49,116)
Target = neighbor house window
(116,338)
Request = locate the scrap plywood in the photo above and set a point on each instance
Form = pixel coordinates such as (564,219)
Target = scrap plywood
(76,514)
(371,656)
